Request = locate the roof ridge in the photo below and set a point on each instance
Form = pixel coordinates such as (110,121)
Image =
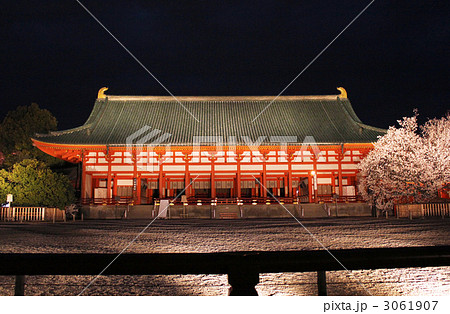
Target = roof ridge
(222,98)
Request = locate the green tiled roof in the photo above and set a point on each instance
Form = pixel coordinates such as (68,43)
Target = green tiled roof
(329,119)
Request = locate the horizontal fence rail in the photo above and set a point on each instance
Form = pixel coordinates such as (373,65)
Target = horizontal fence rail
(242,268)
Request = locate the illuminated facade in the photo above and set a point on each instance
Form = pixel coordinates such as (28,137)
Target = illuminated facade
(140,149)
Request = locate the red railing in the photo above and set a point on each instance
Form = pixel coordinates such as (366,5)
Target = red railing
(226,201)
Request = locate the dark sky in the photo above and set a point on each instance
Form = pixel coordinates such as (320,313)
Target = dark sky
(393,59)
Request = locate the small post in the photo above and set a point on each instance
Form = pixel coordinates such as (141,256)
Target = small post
(322,283)
(387,214)
(243,282)
(54,215)
(82,217)
(303,212)
(73,217)
(410,215)
(19,289)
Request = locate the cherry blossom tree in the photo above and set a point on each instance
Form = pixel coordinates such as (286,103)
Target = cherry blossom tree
(407,164)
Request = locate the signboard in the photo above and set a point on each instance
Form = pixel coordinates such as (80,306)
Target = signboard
(9,198)
(163,208)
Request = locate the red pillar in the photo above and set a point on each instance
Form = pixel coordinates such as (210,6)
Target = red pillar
(213,183)
(83,176)
(162,187)
(238,175)
(187,182)
(340,157)
(187,188)
(138,188)
(108,181)
(264,174)
(115,186)
(333,182)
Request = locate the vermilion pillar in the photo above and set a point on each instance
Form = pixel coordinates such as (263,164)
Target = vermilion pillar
(290,156)
(115,186)
(138,188)
(187,186)
(310,187)
(108,181)
(264,174)
(83,175)
(238,174)
(162,190)
(340,158)
(213,182)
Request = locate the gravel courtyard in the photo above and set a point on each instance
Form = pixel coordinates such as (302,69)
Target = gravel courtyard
(230,235)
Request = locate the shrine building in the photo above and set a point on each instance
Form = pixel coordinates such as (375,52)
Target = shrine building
(244,149)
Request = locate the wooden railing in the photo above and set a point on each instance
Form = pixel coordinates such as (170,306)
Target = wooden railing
(226,201)
(107,201)
(243,268)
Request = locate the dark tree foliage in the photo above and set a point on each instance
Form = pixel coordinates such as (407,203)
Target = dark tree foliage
(33,183)
(17,129)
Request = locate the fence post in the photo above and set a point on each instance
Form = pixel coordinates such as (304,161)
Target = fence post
(322,283)
(19,289)
(243,282)
(54,214)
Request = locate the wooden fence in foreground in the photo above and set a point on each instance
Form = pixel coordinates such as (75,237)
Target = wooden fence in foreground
(242,268)
(423,210)
(31,214)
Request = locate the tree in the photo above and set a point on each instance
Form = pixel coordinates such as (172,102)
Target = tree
(408,163)
(34,184)
(17,129)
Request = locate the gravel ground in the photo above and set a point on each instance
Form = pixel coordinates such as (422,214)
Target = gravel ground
(231,235)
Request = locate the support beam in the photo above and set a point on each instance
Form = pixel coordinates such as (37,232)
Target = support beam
(243,281)
(322,283)
(19,289)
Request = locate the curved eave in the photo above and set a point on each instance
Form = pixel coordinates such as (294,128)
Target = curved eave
(74,152)
(70,153)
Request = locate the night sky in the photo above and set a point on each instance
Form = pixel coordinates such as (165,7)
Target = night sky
(394,58)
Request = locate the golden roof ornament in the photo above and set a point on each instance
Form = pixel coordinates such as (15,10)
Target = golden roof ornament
(101,92)
(343,92)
